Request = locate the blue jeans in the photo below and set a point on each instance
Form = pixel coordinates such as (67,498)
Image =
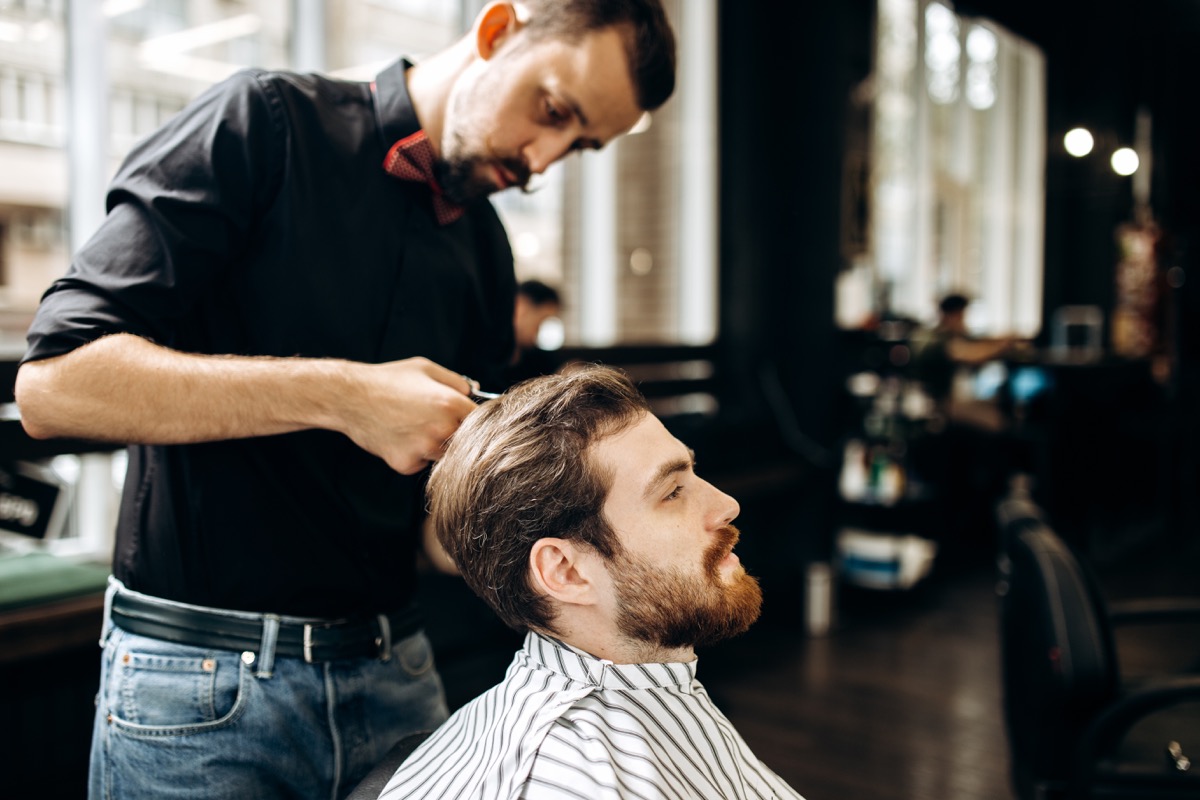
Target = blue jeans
(176,721)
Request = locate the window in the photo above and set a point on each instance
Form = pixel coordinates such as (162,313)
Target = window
(957,158)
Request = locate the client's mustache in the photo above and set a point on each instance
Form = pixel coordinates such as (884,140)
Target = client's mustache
(727,538)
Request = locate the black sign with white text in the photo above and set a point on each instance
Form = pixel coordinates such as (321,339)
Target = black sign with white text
(26,500)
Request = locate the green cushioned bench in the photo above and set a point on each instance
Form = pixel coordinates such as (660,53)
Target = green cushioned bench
(36,578)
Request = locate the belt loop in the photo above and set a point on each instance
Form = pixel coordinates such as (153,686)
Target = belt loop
(308,643)
(384,640)
(114,586)
(266,650)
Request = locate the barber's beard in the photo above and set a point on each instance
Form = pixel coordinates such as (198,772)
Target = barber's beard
(465,177)
(666,608)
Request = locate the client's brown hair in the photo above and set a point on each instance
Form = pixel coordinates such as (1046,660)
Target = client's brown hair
(517,471)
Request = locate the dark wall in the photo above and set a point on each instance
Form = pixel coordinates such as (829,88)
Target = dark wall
(786,75)
(787,70)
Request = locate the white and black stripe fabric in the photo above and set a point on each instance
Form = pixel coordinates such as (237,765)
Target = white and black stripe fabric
(564,724)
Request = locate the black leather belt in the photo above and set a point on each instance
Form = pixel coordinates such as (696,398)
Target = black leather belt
(313,640)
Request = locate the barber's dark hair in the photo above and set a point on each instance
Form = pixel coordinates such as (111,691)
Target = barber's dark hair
(649,40)
(539,293)
(516,471)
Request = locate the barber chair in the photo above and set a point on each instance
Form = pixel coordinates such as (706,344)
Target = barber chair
(370,787)
(1076,728)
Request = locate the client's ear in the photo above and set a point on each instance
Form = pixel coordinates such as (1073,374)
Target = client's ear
(565,571)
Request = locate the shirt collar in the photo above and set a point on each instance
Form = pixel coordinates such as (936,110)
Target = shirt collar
(394,113)
(577,665)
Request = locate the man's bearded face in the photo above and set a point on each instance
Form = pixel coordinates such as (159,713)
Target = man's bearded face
(667,608)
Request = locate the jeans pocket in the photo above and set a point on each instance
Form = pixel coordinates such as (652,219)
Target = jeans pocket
(414,655)
(174,690)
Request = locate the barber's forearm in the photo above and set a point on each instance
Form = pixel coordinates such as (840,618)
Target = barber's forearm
(123,388)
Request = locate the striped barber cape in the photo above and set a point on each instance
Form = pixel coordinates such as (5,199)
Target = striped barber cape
(564,724)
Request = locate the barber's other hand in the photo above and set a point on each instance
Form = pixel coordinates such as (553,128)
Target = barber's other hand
(406,410)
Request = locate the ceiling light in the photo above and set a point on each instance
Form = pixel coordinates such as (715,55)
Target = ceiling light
(1125,161)
(1079,142)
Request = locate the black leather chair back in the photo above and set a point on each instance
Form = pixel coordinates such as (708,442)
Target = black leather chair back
(372,785)
(1059,664)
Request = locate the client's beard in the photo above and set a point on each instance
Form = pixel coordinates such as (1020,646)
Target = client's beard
(663,607)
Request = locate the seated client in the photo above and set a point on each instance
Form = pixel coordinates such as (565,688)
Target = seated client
(571,510)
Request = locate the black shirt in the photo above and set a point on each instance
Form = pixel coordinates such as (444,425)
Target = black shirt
(260,221)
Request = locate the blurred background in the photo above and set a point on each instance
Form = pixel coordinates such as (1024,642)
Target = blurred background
(762,255)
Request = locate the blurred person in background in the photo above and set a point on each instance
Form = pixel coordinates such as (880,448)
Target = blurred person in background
(942,351)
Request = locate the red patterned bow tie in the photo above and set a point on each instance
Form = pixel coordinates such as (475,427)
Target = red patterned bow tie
(411,159)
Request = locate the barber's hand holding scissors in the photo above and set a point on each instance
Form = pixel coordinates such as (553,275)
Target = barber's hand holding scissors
(406,411)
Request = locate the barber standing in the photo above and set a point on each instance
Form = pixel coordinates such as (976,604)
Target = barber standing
(277,314)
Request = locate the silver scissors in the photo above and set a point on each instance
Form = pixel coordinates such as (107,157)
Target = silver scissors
(477,394)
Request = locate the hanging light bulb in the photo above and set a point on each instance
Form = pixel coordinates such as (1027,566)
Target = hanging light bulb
(1125,161)
(1079,142)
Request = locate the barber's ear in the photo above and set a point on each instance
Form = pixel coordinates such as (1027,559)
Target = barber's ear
(495,23)
(565,571)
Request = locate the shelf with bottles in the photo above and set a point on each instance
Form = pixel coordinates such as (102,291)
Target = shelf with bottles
(878,467)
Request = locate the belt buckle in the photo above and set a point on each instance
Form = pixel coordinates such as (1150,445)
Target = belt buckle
(383,642)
